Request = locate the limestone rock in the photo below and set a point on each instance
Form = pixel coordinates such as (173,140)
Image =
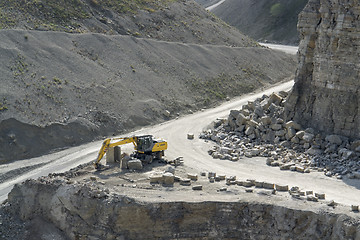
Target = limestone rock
(355,208)
(308,137)
(156,179)
(283,188)
(192,176)
(211,174)
(320,195)
(294,125)
(168,178)
(314,151)
(268,185)
(197,187)
(241,119)
(190,136)
(125,158)
(327,87)
(333,139)
(276,127)
(135,164)
(185,181)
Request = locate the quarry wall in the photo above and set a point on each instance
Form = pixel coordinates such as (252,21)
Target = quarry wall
(87,211)
(326,92)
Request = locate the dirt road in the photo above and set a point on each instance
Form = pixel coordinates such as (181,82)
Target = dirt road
(215,5)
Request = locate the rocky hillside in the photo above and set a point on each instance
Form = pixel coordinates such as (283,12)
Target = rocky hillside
(63,89)
(263,20)
(75,70)
(326,91)
(168,20)
(207,3)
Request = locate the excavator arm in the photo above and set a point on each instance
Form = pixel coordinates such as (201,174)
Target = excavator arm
(107,144)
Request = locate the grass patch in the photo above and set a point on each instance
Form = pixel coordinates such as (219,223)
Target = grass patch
(277,10)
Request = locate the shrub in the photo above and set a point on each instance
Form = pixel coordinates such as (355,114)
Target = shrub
(277,9)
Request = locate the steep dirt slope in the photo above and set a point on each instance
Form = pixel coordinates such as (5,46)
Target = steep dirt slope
(93,84)
(169,20)
(206,3)
(271,20)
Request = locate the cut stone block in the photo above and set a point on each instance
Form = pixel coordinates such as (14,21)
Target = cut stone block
(248,184)
(320,195)
(197,187)
(190,136)
(211,174)
(185,182)
(312,198)
(110,156)
(156,179)
(281,188)
(268,185)
(222,176)
(168,178)
(117,154)
(124,161)
(135,164)
(192,176)
(355,208)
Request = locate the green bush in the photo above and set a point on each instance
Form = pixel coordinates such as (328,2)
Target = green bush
(277,10)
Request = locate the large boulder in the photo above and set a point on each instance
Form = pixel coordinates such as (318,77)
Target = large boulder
(333,139)
(135,164)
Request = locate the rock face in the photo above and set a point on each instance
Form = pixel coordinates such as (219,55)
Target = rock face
(90,212)
(326,92)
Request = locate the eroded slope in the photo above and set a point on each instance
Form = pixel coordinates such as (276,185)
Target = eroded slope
(95,84)
(168,20)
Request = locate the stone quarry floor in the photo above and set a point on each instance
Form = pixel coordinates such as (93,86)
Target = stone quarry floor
(137,185)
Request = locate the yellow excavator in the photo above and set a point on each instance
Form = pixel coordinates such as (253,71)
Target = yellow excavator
(146,148)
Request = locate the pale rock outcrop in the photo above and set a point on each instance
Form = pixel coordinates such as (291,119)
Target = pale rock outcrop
(326,95)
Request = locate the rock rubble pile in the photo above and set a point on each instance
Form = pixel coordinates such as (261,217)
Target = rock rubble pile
(259,129)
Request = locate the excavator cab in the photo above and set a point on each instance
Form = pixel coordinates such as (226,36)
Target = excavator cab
(145,143)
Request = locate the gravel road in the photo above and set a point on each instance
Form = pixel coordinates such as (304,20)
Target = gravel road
(210,8)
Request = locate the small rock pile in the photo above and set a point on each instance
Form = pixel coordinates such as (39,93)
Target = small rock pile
(259,129)
(168,178)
